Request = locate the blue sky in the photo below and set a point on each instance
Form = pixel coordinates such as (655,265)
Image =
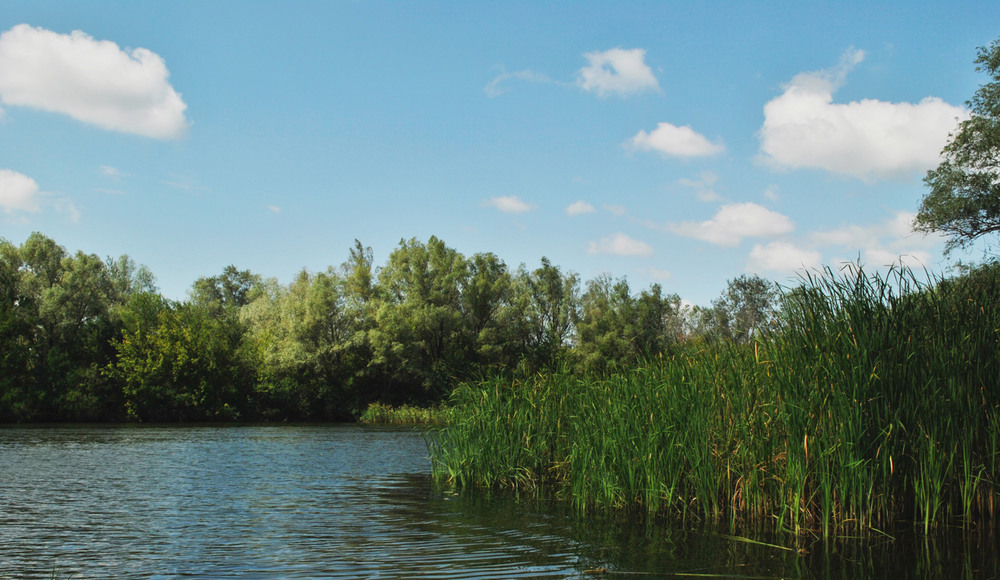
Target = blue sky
(683,143)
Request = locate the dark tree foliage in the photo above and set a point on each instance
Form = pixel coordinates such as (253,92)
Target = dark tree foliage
(88,339)
(552,310)
(58,318)
(418,338)
(229,291)
(964,197)
(747,306)
(618,327)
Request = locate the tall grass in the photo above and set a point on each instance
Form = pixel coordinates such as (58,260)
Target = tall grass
(875,400)
(383,414)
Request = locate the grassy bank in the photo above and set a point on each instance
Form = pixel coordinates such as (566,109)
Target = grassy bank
(875,401)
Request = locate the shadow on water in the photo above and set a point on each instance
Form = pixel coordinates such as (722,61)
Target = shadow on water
(525,537)
(356,502)
(550,538)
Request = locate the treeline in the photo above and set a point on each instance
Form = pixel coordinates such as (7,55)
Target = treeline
(86,339)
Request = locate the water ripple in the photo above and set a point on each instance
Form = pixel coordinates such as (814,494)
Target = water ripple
(252,502)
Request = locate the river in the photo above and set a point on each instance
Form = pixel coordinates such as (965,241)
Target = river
(350,501)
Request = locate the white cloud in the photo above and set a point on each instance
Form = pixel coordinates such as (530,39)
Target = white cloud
(93,81)
(112,172)
(703,186)
(659,274)
(510,204)
(879,257)
(579,207)
(676,142)
(620,245)
(898,230)
(17,192)
(273,208)
(736,221)
(65,206)
(781,257)
(493,89)
(617,71)
(181,182)
(615,209)
(867,139)
(882,244)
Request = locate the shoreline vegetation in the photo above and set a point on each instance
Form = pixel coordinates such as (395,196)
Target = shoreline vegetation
(845,404)
(874,400)
(382,414)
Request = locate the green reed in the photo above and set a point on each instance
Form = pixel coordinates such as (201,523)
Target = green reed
(875,400)
(381,413)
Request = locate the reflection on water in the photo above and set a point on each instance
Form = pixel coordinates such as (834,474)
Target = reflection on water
(356,502)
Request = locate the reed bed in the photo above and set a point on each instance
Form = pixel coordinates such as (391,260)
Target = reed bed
(874,401)
(381,413)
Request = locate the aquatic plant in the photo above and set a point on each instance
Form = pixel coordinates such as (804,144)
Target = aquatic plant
(873,399)
(381,413)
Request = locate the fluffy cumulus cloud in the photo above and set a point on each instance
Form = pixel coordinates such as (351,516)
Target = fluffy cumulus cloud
(674,141)
(509,204)
(782,257)
(736,221)
(18,192)
(617,71)
(620,245)
(579,207)
(867,139)
(93,81)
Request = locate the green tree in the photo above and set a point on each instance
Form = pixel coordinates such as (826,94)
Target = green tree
(492,314)
(964,197)
(657,324)
(606,311)
(319,332)
(65,301)
(229,291)
(16,323)
(58,316)
(418,336)
(616,327)
(180,362)
(746,307)
(361,294)
(552,308)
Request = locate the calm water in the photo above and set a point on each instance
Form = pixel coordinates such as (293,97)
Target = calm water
(356,502)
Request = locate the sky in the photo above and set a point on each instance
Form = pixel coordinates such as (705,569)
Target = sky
(676,143)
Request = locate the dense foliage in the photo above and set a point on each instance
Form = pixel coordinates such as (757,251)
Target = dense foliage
(872,399)
(963,201)
(87,339)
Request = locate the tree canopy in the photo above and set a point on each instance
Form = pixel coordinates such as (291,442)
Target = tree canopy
(964,197)
(85,339)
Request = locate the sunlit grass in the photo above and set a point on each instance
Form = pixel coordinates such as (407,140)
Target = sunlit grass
(875,401)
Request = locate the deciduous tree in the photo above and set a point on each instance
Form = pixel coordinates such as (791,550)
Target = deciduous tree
(964,197)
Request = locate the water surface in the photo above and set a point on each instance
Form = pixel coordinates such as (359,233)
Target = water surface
(358,502)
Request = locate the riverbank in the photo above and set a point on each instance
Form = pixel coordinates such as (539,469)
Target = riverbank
(874,402)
